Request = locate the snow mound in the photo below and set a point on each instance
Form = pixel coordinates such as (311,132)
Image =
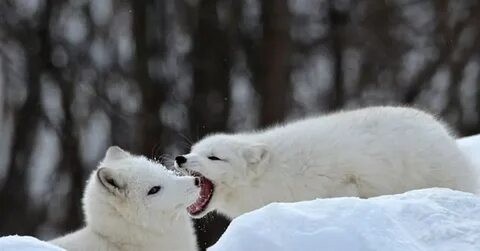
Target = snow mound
(429,219)
(25,243)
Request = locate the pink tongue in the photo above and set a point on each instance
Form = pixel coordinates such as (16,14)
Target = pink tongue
(206,187)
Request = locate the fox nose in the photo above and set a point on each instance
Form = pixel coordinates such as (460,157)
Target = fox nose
(180,160)
(197,181)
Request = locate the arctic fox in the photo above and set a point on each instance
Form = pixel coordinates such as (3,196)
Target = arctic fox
(132,203)
(364,153)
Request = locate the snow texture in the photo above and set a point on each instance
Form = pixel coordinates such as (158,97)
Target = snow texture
(430,219)
(25,243)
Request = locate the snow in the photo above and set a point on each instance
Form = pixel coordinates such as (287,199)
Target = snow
(429,219)
(25,243)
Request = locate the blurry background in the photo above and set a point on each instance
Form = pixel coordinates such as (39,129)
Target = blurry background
(153,76)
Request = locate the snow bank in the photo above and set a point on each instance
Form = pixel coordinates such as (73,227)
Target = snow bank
(430,219)
(25,243)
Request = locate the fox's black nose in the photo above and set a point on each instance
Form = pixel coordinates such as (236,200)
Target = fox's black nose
(180,160)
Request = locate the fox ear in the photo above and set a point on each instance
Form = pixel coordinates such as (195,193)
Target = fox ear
(256,154)
(116,153)
(111,181)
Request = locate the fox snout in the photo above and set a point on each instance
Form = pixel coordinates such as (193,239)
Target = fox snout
(180,160)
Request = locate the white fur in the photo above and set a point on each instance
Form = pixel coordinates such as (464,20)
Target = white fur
(364,153)
(126,218)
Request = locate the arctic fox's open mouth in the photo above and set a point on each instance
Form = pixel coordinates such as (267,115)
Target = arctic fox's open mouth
(206,192)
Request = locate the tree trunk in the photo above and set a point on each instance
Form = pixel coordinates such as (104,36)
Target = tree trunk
(273,70)
(152,93)
(16,214)
(70,161)
(210,106)
(337,20)
(70,164)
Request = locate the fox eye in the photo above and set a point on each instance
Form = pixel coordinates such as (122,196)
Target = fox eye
(213,158)
(154,190)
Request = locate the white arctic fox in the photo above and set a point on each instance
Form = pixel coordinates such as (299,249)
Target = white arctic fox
(132,203)
(366,152)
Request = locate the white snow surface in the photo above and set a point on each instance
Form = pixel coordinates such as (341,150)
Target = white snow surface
(25,243)
(429,219)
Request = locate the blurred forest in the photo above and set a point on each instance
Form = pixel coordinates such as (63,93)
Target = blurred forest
(154,76)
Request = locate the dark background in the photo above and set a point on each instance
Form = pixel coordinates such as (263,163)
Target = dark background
(154,76)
